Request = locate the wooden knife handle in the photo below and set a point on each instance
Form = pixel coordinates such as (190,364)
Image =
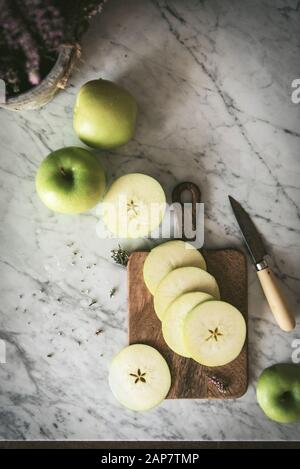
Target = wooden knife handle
(277,303)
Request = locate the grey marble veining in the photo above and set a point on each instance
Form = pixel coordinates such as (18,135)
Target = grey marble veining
(213,83)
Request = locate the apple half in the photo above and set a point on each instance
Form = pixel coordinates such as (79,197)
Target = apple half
(139,377)
(183,280)
(169,256)
(214,333)
(172,325)
(134,206)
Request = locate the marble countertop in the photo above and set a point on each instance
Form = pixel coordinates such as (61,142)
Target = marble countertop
(213,83)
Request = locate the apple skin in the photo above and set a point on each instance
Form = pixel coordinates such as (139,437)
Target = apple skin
(278,392)
(104,114)
(70,180)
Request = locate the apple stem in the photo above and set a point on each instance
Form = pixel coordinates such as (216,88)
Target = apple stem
(63,172)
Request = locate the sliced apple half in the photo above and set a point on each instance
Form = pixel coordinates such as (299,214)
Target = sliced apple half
(214,333)
(134,206)
(172,325)
(183,280)
(139,377)
(169,256)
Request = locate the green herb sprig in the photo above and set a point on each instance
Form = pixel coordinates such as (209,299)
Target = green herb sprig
(120,256)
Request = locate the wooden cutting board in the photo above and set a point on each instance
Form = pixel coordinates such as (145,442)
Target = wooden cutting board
(189,379)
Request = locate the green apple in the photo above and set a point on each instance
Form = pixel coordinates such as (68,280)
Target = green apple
(214,333)
(70,180)
(278,392)
(139,377)
(104,114)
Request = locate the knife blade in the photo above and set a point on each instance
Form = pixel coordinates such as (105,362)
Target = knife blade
(249,231)
(268,281)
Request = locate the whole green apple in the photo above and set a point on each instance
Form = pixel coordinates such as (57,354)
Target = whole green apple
(104,114)
(70,180)
(278,392)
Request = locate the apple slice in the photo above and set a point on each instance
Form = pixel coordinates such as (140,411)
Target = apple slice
(214,333)
(183,280)
(134,206)
(172,326)
(169,256)
(139,377)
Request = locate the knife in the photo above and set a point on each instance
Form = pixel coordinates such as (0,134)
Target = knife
(267,279)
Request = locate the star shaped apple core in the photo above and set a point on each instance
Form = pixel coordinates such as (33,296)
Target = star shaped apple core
(132,208)
(139,376)
(214,334)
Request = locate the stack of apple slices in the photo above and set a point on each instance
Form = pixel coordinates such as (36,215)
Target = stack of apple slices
(195,323)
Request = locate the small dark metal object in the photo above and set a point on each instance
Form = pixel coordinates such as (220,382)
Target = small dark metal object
(196,199)
(218,382)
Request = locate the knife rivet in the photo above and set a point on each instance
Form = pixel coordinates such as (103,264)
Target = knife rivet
(262,265)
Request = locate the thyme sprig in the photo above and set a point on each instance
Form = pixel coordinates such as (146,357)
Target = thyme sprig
(120,256)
